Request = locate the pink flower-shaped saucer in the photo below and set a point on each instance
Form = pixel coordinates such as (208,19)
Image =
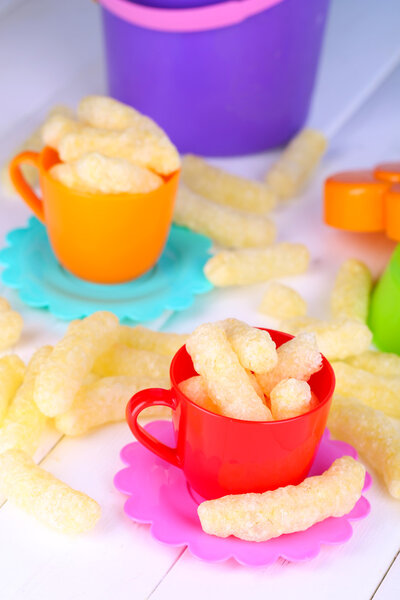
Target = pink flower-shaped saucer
(159,494)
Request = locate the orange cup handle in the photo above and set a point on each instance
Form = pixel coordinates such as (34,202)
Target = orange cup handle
(20,184)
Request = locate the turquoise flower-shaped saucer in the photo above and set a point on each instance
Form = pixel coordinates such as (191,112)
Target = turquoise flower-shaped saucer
(31,268)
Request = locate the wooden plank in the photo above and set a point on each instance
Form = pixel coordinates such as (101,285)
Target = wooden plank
(350,571)
(118,559)
(361,48)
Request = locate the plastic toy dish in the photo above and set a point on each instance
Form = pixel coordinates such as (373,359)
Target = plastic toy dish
(160,496)
(270,453)
(31,268)
(102,238)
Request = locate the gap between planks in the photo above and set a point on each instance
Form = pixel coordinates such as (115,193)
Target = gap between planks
(386,573)
(167,572)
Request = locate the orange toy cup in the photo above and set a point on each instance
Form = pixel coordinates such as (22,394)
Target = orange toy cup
(388,172)
(354,200)
(103,238)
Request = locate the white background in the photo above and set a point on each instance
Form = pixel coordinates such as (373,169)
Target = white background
(51,52)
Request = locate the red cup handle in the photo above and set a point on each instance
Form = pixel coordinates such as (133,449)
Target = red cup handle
(146,399)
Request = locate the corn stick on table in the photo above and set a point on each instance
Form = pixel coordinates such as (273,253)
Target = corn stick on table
(50,53)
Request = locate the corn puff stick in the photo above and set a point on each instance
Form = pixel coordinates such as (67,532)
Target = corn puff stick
(24,423)
(224,188)
(260,517)
(95,173)
(376,391)
(11,324)
(254,347)
(40,494)
(336,339)
(244,267)
(298,358)
(351,292)
(379,363)
(290,398)
(195,389)
(71,360)
(115,175)
(124,360)
(57,126)
(34,143)
(373,434)
(139,147)
(257,387)
(104,401)
(161,342)
(226,380)
(66,174)
(295,165)
(282,302)
(12,371)
(90,378)
(103,112)
(225,225)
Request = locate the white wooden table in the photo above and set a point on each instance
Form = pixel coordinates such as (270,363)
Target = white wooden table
(50,52)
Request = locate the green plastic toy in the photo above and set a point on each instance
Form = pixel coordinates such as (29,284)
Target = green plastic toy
(384,314)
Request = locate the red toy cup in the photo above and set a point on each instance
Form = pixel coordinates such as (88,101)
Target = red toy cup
(220,455)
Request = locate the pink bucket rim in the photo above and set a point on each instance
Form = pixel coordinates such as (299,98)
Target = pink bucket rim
(203,18)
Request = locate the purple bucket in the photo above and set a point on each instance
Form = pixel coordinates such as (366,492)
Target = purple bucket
(227,79)
(176,3)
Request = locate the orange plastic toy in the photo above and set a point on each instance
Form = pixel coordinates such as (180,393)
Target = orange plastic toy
(103,238)
(392,212)
(388,172)
(365,200)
